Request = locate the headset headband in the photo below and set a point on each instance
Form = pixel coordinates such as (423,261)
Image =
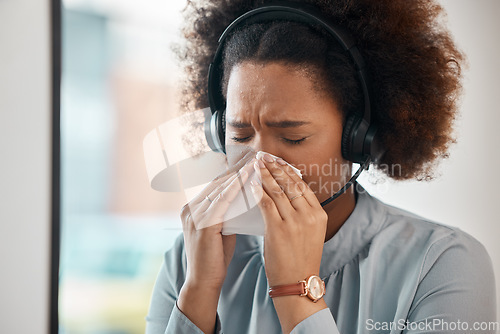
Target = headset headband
(295,12)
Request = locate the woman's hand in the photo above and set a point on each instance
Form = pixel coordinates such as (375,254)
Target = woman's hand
(295,223)
(208,252)
(295,232)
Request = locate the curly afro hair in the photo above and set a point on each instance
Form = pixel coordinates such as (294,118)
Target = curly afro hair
(412,60)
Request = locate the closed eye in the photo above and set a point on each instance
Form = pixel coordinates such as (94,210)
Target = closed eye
(288,141)
(241,139)
(294,142)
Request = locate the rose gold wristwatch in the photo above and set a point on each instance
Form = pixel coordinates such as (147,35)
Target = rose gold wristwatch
(312,287)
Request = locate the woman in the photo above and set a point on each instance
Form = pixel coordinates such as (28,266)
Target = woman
(289,89)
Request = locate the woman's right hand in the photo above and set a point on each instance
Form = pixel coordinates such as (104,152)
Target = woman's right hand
(209,252)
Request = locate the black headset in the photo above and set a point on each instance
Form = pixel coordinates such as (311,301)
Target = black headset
(360,143)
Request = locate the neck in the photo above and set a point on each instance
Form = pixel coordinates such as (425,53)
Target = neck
(338,211)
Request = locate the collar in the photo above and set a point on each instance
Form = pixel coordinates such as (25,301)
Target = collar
(355,234)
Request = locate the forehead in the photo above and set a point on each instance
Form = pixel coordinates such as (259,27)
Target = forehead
(274,91)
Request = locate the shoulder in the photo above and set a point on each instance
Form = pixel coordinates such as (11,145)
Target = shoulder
(402,225)
(436,246)
(435,266)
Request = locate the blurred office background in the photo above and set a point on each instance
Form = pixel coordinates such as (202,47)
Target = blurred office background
(118,82)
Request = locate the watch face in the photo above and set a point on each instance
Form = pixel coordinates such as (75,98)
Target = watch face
(316,287)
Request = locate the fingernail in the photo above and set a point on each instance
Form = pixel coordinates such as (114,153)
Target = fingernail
(268,158)
(281,161)
(259,164)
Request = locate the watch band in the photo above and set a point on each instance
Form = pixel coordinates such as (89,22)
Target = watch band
(313,287)
(288,290)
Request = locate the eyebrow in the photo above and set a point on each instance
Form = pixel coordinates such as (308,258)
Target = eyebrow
(280,124)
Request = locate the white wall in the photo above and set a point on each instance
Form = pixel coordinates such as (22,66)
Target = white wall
(465,196)
(25,126)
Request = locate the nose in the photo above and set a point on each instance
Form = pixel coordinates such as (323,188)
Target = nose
(266,144)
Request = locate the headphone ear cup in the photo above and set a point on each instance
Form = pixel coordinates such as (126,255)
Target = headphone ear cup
(223,126)
(215,132)
(347,134)
(221,133)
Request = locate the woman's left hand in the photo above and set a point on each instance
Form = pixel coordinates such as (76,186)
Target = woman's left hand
(295,223)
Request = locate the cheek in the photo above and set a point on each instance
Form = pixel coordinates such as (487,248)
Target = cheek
(324,153)
(323,167)
(327,178)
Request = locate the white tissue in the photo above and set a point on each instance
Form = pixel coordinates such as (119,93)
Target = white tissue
(243,215)
(260,154)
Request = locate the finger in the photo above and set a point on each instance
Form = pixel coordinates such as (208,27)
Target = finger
(187,220)
(201,209)
(220,204)
(204,203)
(300,185)
(221,180)
(266,205)
(274,191)
(193,213)
(292,188)
(202,216)
(209,188)
(246,168)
